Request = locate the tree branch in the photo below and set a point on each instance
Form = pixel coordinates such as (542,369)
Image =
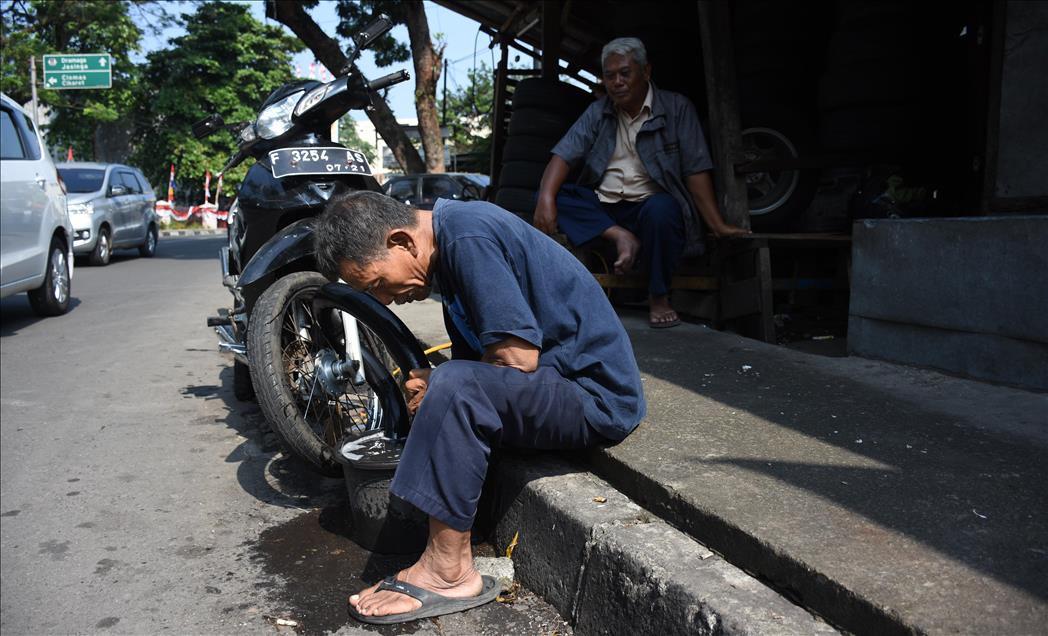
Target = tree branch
(292,14)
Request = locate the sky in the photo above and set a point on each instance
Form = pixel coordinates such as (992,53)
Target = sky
(459,32)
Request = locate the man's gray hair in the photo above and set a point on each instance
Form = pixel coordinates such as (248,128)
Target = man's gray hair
(354,227)
(631,47)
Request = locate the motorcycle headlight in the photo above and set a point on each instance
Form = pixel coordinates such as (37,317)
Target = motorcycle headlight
(275,120)
(311,99)
(81,208)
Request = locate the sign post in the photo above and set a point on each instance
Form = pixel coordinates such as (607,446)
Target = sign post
(87,70)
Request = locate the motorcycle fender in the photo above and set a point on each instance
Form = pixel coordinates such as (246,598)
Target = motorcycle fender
(290,244)
(386,325)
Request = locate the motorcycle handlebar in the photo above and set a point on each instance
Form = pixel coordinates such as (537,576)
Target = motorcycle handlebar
(388,80)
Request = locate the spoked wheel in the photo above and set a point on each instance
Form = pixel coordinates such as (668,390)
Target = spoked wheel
(319,380)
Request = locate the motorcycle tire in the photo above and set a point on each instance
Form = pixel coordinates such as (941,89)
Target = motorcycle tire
(286,337)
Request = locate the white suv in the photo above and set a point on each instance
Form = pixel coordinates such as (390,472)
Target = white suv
(36,254)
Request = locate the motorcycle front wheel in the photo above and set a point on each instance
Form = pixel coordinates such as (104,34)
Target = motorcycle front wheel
(292,343)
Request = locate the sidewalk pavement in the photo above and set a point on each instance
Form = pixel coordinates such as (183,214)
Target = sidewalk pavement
(885,499)
(194,232)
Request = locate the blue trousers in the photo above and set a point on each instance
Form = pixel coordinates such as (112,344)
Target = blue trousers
(656,222)
(471,408)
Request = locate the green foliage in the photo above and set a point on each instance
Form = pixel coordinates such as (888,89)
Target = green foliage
(226,63)
(348,137)
(469,111)
(38,27)
(356,15)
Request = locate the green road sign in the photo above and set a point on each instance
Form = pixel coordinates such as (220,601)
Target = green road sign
(88,70)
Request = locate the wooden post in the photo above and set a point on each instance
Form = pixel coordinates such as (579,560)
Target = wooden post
(498,125)
(722,93)
(551,39)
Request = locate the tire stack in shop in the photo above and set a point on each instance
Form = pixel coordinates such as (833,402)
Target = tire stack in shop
(542,111)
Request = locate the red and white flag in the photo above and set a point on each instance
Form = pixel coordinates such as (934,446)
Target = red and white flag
(207,186)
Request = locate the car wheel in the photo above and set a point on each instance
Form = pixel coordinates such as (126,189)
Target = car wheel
(52,298)
(148,249)
(103,248)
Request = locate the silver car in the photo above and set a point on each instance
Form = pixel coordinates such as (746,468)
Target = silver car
(111,206)
(36,254)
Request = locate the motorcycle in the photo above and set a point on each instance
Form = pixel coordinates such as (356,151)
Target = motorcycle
(326,363)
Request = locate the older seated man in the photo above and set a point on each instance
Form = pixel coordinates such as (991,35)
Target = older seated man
(540,361)
(645,171)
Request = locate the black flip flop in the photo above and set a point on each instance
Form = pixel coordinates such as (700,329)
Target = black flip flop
(665,324)
(433,604)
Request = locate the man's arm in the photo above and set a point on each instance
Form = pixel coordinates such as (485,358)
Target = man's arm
(546,207)
(512,352)
(700,185)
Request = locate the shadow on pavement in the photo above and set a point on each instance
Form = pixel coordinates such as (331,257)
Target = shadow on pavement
(961,491)
(16,314)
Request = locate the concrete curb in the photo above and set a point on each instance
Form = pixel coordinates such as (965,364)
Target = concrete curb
(201,232)
(611,568)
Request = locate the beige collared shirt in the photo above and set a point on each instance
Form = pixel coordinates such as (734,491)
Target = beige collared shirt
(625,178)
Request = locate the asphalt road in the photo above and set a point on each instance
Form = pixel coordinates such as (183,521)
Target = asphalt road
(137,494)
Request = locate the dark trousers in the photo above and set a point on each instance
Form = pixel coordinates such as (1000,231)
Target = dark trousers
(471,408)
(656,222)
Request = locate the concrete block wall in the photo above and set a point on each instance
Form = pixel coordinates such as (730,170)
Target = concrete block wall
(964,295)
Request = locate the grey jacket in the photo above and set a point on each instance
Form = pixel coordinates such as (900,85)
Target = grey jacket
(670,145)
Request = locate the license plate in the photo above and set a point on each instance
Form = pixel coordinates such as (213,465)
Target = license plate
(296,161)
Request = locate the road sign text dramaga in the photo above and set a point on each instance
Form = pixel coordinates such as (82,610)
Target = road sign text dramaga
(88,70)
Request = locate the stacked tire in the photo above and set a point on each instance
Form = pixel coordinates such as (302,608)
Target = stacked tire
(542,111)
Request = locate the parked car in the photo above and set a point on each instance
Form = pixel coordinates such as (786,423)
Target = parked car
(422,190)
(36,242)
(111,206)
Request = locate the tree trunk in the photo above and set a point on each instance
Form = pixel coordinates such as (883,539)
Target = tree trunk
(326,49)
(427,62)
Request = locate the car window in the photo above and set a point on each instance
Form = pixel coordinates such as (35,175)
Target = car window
(82,179)
(32,142)
(402,189)
(434,188)
(10,141)
(143,185)
(128,180)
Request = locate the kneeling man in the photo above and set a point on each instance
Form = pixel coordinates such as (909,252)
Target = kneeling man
(540,361)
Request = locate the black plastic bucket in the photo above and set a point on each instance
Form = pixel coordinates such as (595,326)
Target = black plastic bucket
(382,523)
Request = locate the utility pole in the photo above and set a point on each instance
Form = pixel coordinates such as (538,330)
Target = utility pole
(444,110)
(32,83)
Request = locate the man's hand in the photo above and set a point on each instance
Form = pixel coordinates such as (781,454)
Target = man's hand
(418,382)
(546,216)
(512,352)
(728,231)
(546,207)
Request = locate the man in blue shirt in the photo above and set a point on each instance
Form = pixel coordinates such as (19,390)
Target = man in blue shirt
(644,172)
(540,361)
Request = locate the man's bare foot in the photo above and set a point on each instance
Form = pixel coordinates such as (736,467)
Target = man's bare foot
(626,245)
(446,567)
(661,314)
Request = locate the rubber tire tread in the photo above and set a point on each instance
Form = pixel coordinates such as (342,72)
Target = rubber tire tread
(528,148)
(274,397)
(143,249)
(554,95)
(537,122)
(94,258)
(521,174)
(40,299)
